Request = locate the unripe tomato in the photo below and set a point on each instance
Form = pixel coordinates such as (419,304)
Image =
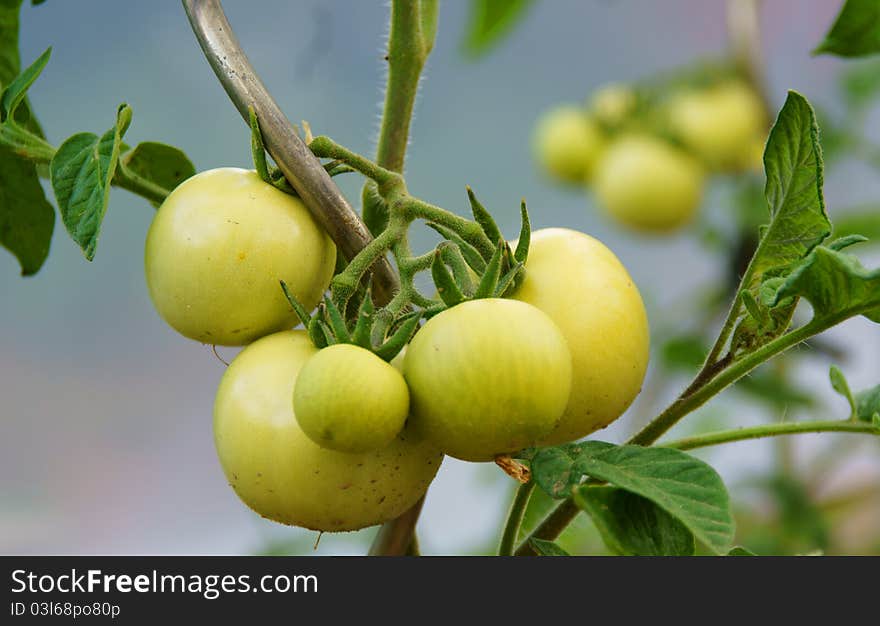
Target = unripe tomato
(567,143)
(487,377)
(647,184)
(613,103)
(719,124)
(348,399)
(281,474)
(217,249)
(582,286)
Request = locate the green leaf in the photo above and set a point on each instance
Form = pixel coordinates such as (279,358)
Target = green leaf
(546,548)
(839,384)
(860,85)
(10,62)
(855,32)
(81,173)
(683,352)
(740,551)
(682,485)
(26,217)
(490,21)
(157,163)
(868,404)
(632,525)
(835,284)
(16,90)
(863,221)
(798,222)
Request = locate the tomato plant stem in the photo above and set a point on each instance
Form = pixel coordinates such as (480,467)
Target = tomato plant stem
(771,430)
(514,518)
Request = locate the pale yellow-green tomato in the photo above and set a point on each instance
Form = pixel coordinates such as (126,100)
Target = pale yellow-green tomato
(648,185)
(487,377)
(583,287)
(613,103)
(282,474)
(719,124)
(348,399)
(217,249)
(567,142)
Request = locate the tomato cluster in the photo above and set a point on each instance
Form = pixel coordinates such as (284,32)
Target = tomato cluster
(337,438)
(646,156)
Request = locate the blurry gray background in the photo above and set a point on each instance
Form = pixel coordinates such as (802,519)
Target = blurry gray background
(105,413)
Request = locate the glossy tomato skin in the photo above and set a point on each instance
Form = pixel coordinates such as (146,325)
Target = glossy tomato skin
(582,286)
(567,143)
(348,399)
(281,474)
(217,249)
(648,185)
(487,377)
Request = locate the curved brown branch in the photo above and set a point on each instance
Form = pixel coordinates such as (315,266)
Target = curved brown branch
(301,168)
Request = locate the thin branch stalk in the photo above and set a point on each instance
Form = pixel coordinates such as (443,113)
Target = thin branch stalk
(301,168)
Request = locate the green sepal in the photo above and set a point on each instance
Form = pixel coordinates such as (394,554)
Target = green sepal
(489,281)
(320,333)
(452,256)
(258,149)
(296,305)
(471,255)
(483,217)
(363,328)
(336,321)
(521,254)
(447,288)
(508,281)
(391,348)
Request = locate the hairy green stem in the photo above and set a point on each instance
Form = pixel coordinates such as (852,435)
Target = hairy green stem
(770,430)
(515,518)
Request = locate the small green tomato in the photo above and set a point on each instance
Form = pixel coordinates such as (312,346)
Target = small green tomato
(487,377)
(348,399)
(567,144)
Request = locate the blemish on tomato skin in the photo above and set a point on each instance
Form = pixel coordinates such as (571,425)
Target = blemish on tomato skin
(242,256)
(345,486)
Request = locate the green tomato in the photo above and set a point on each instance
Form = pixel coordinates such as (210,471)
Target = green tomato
(648,185)
(720,124)
(348,399)
(582,286)
(567,144)
(282,474)
(217,249)
(487,377)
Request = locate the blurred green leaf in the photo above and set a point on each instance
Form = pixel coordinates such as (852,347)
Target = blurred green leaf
(632,525)
(740,551)
(490,21)
(547,548)
(841,386)
(864,220)
(81,172)
(682,485)
(860,85)
(855,32)
(683,353)
(868,404)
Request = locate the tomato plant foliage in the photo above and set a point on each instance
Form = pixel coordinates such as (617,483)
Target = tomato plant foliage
(323,428)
